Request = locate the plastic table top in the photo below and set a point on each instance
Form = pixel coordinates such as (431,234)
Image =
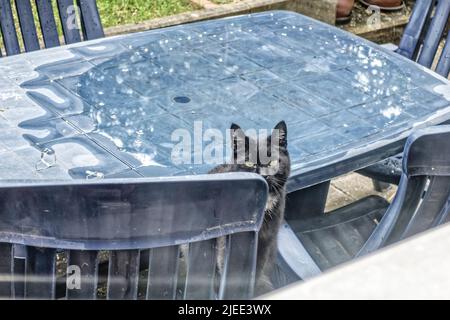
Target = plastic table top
(109,108)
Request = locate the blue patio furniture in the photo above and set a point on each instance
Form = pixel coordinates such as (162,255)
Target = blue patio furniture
(420,42)
(119,99)
(107,108)
(125,221)
(91,25)
(414,269)
(422,202)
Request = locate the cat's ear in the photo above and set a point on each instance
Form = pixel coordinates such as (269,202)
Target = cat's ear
(234,126)
(236,131)
(281,130)
(238,139)
(237,134)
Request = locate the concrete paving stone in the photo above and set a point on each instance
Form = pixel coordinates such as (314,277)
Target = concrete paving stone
(352,187)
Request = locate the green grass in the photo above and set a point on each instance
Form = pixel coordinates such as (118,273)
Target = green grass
(117,12)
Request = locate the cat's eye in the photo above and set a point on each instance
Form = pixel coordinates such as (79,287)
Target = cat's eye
(249,164)
(273,163)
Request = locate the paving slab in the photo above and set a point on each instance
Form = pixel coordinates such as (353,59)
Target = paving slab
(352,187)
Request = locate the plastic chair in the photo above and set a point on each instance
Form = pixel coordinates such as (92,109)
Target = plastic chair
(130,239)
(422,202)
(91,25)
(420,42)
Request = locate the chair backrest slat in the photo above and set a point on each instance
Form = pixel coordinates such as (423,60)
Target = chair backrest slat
(91,26)
(414,31)
(443,67)
(408,207)
(428,212)
(87,261)
(19,270)
(201,271)
(240,270)
(40,278)
(8,28)
(434,34)
(6,270)
(27,25)
(123,275)
(163,273)
(445,214)
(69,23)
(48,23)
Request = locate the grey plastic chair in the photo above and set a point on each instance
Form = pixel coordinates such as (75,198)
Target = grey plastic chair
(422,202)
(420,42)
(134,238)
(91,26)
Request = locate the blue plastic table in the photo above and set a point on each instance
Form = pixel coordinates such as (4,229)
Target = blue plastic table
(107,108)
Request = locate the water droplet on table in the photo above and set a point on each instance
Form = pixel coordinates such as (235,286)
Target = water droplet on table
(47,160)
(92,175)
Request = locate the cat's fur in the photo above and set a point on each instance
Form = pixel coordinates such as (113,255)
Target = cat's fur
(274,210)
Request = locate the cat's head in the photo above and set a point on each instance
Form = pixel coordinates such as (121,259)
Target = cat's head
(267,156)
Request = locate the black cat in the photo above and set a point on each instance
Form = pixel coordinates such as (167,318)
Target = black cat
(275,172)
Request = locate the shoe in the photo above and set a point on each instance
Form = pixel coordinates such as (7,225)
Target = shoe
(344,11)
(386,5)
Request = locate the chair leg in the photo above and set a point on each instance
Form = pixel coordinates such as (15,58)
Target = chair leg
(306,203)
(380,186)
